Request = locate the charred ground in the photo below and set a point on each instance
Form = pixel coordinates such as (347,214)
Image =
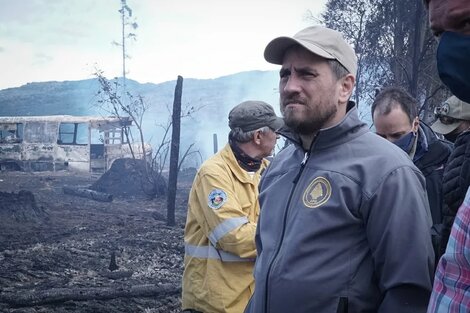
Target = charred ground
(56,249)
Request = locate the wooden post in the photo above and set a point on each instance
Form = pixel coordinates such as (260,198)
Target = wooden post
(216,147)
(174,152)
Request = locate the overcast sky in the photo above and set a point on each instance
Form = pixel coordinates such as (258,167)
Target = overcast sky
(44,40)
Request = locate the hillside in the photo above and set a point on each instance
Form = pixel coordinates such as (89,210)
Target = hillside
(212,98)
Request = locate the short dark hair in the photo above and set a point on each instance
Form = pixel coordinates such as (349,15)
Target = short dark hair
(391,97)
(337,68)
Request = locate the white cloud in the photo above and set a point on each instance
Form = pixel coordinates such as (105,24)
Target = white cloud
(41,58)
(199,39)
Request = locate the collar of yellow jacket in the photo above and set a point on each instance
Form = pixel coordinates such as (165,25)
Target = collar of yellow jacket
(241,174)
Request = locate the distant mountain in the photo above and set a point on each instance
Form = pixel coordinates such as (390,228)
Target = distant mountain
(212,98)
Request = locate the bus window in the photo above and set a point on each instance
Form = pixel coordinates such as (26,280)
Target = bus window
(82,134)
(11,133)
(40,132)
(73,134)
(66,133)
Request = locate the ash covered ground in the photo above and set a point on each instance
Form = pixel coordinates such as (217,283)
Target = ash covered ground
(64,253)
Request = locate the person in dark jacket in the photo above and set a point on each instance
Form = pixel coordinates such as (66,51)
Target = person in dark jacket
(449,23)
(452,118)
(395,116)
(344,221)
(453,121)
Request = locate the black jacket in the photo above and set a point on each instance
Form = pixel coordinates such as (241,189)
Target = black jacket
(431,164)
(456,181)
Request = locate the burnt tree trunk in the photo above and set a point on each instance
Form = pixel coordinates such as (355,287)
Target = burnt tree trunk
(59,295)
(417,48)
(88,193)
(174,153)
(398,57)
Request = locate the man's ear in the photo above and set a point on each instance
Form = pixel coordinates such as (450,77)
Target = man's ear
(415,124)
(257,137)
(346,88)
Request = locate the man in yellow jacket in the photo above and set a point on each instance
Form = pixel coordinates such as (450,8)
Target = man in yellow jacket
(223,211)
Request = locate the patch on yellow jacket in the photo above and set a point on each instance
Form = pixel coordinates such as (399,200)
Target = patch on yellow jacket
(216,199)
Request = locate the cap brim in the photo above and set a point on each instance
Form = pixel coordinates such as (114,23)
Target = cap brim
(444,129)
(274,51)
(277,124)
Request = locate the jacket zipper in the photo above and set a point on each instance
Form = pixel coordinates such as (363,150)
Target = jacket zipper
(296,179)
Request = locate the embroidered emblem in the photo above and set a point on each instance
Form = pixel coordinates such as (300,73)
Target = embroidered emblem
(216,199)
(442,109)
(317,193)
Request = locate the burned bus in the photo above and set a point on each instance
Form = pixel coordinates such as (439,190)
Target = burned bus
(64,142)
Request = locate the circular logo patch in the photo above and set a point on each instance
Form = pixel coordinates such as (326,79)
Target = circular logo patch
(317,193)
(216,199)
(442,109)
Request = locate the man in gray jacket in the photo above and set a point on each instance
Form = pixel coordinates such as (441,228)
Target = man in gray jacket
(345,223)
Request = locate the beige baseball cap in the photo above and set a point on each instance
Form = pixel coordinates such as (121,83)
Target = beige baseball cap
(319,40)
(454,108)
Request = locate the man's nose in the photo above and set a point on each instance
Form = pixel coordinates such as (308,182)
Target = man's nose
(292,84)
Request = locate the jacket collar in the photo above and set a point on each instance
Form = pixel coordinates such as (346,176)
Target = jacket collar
(350,127)
(244,160)
(437,150)
(242,175)
(422,145)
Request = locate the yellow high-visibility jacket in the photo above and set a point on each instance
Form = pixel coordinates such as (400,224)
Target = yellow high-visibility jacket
(220,250)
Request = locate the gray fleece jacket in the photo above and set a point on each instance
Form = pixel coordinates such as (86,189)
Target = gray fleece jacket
(344,227)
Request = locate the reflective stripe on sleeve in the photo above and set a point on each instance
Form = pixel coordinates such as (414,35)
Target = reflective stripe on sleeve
(225,227)
(209,252)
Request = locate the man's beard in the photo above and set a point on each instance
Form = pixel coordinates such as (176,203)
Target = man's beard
(317,118)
